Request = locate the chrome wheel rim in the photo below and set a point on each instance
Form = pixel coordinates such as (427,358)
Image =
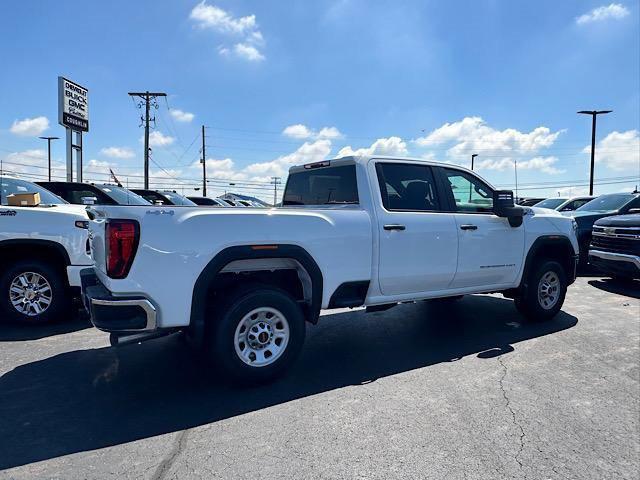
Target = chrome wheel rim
(548,290)
(30,294)
(261,337)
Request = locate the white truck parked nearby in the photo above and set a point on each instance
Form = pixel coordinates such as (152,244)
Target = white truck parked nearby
(42,250)
(355,231)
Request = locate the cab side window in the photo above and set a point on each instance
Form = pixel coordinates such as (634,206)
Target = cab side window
(407,187)
(471,195)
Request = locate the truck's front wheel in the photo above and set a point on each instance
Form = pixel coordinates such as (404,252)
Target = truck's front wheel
(257,334)
(32,291)
(545,292)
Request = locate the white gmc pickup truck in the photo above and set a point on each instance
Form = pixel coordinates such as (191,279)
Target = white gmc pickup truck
(42,250)
(354,231)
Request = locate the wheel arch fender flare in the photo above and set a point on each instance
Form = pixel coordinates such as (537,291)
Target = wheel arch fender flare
(60,250)
(251,252)
(553,243)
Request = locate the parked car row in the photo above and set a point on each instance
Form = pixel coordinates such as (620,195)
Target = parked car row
(108,194)
(608,230)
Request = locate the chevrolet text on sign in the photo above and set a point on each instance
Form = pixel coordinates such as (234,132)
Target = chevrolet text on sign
(73,105)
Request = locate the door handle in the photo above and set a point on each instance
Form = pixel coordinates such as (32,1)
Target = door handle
(468,227)
(394,227)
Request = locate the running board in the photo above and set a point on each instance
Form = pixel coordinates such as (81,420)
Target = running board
(380,308)
(120,339)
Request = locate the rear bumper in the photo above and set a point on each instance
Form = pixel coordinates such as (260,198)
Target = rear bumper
(115,314)
(618,263)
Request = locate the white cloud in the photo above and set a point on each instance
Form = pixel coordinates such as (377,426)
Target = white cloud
(207,16)
(542,164)
(297,131)
(474,135)
(181,116)
(382,146)
(614,11)
(158,139)
(329,132)
(117,152)
(572,191)
(210,16)
(302,132)
(30,127)
(248,52)
(221,169)
(32,165)
(307,153)
(619,151)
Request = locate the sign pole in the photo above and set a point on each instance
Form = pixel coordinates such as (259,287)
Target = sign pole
(73,114)
(79,156)
(69,155)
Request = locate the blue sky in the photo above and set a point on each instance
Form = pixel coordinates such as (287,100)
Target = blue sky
(285,82)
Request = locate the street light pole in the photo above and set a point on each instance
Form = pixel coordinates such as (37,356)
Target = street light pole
(594,114)
(473,156)
(48,139)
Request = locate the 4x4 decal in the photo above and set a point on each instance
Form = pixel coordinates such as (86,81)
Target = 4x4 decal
(8,213)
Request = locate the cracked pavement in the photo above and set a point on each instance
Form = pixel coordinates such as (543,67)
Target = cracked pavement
(423,390)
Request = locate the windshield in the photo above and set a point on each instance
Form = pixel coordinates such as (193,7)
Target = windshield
(552,203)
(9,186)
(607,203)
(122,195)
(178,199)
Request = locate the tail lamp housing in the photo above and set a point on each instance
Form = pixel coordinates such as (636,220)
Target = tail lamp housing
(122,238)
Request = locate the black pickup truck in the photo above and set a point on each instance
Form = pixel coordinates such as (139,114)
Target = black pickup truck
(615,246)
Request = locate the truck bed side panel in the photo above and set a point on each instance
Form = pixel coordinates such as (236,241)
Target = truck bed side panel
(175,247)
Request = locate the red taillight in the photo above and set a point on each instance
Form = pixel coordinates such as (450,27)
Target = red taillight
(122,242)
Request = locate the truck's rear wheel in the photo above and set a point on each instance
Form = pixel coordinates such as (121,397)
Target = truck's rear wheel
(544,296)
(257,334)
(32,291)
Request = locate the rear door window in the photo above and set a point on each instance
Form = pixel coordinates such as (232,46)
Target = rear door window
(322,186)
(407,187)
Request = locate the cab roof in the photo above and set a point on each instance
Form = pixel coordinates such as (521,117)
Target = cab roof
(364,159)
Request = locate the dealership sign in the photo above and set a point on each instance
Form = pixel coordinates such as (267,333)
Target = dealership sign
(73,105)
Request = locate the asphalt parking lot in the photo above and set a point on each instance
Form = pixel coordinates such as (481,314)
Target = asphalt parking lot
(420,391)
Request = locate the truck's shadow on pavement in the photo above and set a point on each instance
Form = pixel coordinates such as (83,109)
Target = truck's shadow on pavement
(89,399)
(629,288)
(14,332)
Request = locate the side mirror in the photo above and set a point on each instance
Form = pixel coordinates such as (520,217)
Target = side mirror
(89,200)
(503,206)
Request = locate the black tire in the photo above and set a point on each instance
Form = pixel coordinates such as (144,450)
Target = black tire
(531,304)
(60,302)
(220,345)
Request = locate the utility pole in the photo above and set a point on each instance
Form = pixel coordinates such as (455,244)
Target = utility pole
(48,139)
(204,165)
(276,181)
(515,169)
(473,157)
(147,99)
(594,114)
